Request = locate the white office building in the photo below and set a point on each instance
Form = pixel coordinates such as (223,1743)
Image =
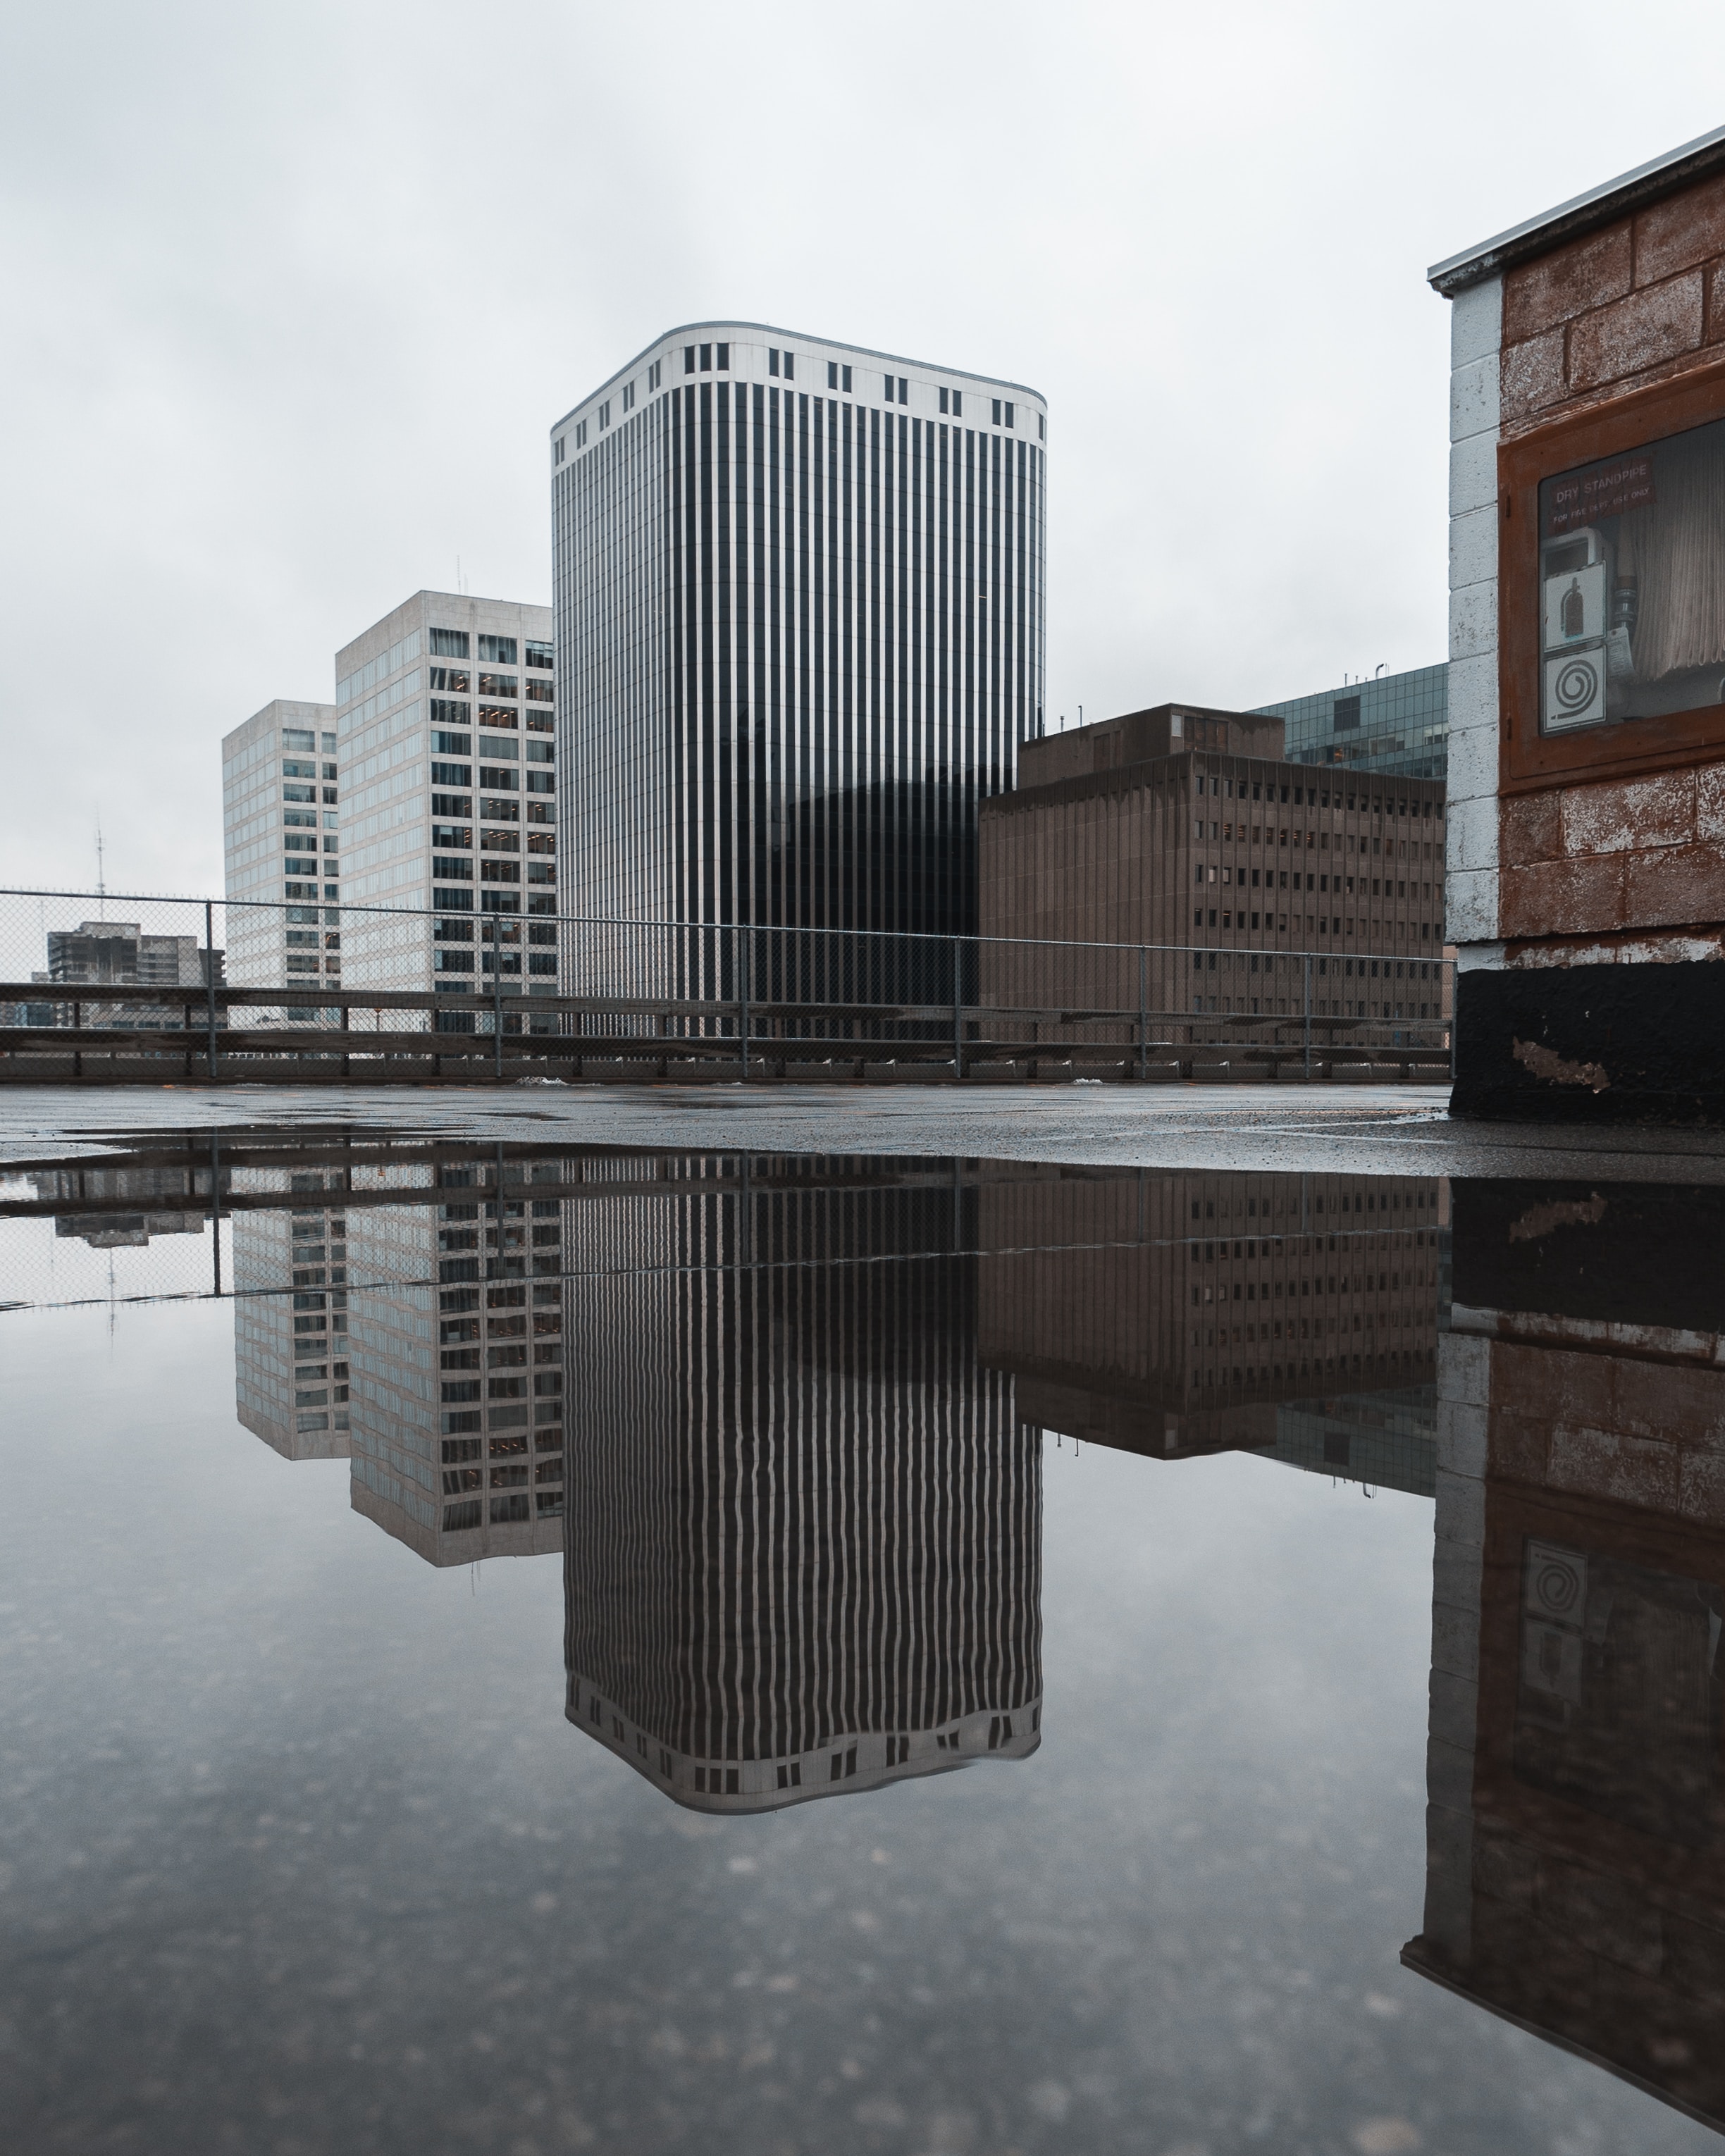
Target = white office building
(280,843)
(445,714)
(799,596)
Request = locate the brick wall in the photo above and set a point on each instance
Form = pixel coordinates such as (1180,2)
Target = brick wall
(1634,303)
(1617,860)
(1620,863)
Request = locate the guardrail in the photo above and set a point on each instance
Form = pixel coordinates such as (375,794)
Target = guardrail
(404,994)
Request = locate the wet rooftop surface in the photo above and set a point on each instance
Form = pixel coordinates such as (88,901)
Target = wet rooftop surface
(530,1629)
(1394,1129)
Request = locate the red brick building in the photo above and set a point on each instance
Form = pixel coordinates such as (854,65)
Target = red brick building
(1587,682)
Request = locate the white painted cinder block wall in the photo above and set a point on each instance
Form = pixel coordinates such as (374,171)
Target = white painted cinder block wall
(1470,885)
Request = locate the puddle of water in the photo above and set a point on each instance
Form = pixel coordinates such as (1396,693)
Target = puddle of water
(526,1649)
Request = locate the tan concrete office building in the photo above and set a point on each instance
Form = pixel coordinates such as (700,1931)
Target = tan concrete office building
(445,717)
(281,847)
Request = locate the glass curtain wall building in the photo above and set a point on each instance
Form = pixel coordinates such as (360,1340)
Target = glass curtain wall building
(798,595)
(1397,726)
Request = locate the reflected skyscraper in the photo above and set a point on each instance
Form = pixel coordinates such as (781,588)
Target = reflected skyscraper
(804,1538)
(1576,1821)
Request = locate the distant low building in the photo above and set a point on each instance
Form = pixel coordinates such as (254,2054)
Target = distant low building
(1397,726)
(120,954)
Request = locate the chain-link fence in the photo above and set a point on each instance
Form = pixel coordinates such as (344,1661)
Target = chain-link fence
(107,985)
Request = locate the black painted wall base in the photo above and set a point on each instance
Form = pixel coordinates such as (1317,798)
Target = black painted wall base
(1592,1043)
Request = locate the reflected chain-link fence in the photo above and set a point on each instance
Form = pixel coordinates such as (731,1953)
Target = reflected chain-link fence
(103,985)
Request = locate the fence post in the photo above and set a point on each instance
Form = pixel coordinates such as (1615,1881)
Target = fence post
(215,1204)
(1143,1010)
(209,976)
(743,983)
(1307,962)
(497,1001)
(957,1008)
(1454,985)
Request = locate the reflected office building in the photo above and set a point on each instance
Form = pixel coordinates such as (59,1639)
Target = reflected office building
(1575,1881)
(1175,1315)
(291,1373)
(803,1552)
(455,1344)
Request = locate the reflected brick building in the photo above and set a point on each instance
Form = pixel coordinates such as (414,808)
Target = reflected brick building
(804,1545)
(1576,1826)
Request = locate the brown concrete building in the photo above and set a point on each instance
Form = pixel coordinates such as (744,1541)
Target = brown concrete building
(1587,650)
(1170,1314)
(1182,829)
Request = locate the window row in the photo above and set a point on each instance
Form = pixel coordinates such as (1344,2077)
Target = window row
(301,740)
(493,650)
(1310,797)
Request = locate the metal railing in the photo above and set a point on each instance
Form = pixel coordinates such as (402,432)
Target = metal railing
(101,987)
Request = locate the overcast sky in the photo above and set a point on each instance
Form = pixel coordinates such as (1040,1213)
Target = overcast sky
(292,295)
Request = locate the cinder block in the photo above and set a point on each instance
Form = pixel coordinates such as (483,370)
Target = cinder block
(1508,1871)
(1631,1471)
(1609,1916)
(1473,474)
(1471,908)
(1563,898)
(1552,1384)
(1673,886)
(1473,398)
(1529,825)
(1683,1402)
(1628,813)
(1473,620)
(1449,1775)
(1460,1516)
(1676,234)
(1456,1572)
(1473,691)
(1464,1369)
(1473,547)
(1456,1656)
(1461,1433)
(1470,841)
(1532,376)
(1567,282)
(1637,332)
(1476,321)
(1710,803)
(1701,1488)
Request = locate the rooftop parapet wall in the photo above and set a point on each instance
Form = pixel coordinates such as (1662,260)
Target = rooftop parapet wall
(1137,736)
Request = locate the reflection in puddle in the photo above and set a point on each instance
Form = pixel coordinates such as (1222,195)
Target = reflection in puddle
(1576,1876)
(786,1420)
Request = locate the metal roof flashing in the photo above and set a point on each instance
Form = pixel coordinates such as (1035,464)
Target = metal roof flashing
(1600,206)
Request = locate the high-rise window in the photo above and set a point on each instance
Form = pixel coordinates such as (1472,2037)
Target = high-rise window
(724,352)
(500,650)
(688,359)
(449,642)
(706,359)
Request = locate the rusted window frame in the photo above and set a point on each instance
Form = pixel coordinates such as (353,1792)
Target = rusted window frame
(1528,761)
